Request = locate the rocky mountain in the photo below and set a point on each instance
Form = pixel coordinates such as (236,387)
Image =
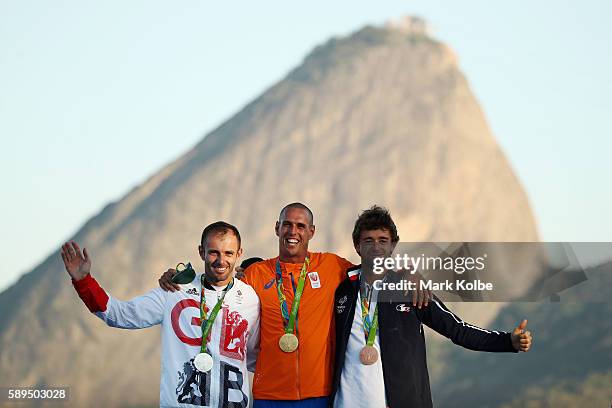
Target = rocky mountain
(382,116)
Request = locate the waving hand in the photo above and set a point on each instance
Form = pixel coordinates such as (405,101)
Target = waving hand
(77,263)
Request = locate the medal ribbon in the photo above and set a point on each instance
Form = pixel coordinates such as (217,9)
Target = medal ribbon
(290,318)
(208,323)
(370,328)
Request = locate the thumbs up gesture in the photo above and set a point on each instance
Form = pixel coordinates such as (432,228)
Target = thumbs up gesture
(521,339)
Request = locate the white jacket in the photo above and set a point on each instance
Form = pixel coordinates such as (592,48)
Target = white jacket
(233,338)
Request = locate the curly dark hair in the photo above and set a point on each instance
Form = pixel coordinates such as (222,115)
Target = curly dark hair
(374,218)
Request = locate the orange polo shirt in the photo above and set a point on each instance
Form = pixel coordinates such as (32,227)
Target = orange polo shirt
(307,372)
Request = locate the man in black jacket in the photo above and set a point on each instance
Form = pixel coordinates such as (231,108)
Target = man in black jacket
(380,345)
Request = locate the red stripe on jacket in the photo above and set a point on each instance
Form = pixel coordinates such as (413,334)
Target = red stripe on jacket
(91,293)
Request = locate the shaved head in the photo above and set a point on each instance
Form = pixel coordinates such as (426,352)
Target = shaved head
(299,206)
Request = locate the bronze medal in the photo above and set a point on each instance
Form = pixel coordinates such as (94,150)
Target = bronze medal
(368,355)
(288,342)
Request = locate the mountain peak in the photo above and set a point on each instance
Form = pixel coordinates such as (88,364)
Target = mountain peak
(399,39)
(409,24)
(382,116)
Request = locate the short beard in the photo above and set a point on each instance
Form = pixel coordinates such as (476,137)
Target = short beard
(211,277)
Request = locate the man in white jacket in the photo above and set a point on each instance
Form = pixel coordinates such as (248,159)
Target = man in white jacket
(194,372)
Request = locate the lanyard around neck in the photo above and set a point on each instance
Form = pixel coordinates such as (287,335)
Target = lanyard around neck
(289,319)
(208,323)
(369,326)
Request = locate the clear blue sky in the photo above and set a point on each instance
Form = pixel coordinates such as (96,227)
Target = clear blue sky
(96,96)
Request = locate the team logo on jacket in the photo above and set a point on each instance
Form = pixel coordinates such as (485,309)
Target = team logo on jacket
(402,308)
(193,386)
(239,297)
(341,304)
(233,329)
(269,284)
(233,335)
(315,282)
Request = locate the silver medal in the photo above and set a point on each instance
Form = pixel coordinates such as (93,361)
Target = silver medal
(203,362)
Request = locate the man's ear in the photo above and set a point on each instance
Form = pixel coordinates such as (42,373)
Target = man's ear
(201,252)
(312,231)
(276,229)
(393,245)
(357,248)
(239,253)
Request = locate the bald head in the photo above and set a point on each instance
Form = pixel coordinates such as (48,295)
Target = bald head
(298,206)
(294,230)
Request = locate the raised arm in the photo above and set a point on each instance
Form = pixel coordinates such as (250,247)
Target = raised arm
(77,263)
(437,316)
(139,312)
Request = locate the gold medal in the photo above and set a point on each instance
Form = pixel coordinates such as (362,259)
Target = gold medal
(288,342)
(368,355)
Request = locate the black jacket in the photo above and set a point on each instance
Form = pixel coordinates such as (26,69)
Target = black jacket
(402,342)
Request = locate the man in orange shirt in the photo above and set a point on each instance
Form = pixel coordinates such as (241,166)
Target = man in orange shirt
(295,374)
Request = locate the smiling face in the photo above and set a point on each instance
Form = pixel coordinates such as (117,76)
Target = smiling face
(220,254)
(294,229)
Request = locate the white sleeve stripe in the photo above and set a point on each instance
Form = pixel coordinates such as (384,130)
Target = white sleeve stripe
(458,320)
